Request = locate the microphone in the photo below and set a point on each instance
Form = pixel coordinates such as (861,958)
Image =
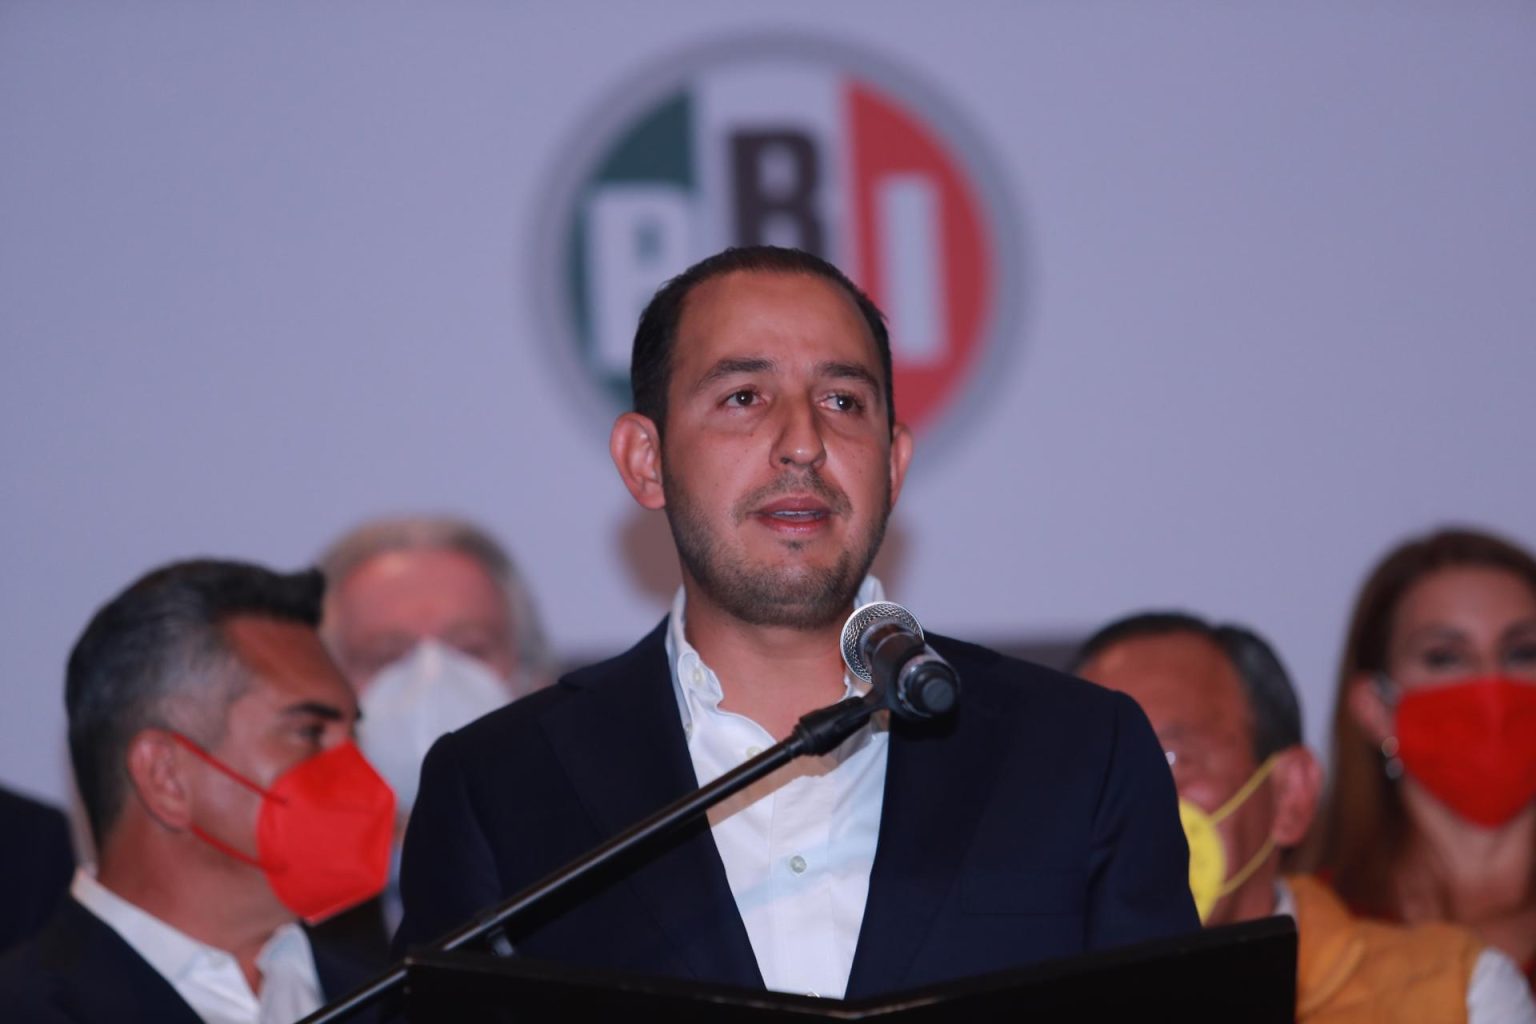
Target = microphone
(883,645)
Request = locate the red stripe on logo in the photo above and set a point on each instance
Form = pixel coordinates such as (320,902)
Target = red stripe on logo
(888,141)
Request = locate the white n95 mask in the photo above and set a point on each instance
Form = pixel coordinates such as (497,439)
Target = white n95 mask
(432,690)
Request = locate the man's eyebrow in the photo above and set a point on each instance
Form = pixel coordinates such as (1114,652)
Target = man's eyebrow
(848,371)
(731,367)
(329,712)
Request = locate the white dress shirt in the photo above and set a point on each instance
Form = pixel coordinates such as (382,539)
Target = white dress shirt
(209,979)
(1497,993)
(798,846)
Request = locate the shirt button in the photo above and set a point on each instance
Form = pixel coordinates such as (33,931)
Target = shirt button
(698,676)
(797,864)
(754,751)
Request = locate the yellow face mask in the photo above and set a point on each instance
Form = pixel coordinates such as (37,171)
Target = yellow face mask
(1208,881)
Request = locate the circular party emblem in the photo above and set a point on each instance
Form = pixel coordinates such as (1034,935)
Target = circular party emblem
(794,142)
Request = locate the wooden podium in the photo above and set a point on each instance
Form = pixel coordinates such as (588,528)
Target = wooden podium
(1244,972)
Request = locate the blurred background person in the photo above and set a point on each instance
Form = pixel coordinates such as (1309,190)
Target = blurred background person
(36,861)
(1432,810)
(1227,714)
(433,625)
(211,739)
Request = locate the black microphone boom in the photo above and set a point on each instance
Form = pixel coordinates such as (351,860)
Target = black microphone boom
(883,645)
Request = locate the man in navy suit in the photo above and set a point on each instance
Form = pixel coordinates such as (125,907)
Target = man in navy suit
(205,721)
(1037,821)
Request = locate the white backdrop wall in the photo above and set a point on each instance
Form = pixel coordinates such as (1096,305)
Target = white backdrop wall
(268,268)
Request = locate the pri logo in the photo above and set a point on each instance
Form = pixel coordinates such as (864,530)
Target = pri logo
(789,142)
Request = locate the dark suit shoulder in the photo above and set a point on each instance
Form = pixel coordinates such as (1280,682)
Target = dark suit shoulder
(644,656)
(78,969)
(640,663)
(36,862)
(1109,807)
(1031,718)
(530,786)
(999,679)
(28,813)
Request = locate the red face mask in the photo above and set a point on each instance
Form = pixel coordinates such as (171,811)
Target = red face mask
(1473,745)
(323,837)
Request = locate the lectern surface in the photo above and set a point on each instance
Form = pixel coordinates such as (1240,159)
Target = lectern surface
(1244,972)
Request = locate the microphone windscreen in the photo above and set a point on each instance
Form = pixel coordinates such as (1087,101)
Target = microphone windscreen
(865,619)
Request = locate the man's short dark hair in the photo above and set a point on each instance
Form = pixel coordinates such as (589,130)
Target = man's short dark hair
(159,640)
(650,366)
(1266,684)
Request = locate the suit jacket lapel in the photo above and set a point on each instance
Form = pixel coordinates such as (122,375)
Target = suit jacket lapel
(936,784)
(624,750)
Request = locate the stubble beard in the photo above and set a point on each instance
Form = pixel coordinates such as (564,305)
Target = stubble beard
(801,597)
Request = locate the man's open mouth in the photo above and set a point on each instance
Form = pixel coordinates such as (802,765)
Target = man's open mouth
(801,510)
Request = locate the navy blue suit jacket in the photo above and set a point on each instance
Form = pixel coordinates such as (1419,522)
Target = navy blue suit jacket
(1039,821)
(77,970)
(36,863)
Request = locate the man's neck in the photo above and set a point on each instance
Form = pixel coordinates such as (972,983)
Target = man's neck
(770,674)
(209,903)
(1257,898)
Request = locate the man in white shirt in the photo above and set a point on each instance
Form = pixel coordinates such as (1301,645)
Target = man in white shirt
(1034,822)
(210,737)
(1225,710)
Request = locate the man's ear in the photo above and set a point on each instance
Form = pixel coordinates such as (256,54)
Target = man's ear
(155,764)
(635,445)
(901,456)
(1298,778)
(1369,709)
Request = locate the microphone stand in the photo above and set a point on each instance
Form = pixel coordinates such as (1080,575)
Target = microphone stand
(816,733)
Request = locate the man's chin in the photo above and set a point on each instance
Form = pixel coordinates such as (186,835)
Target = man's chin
(803,597)
(783,615)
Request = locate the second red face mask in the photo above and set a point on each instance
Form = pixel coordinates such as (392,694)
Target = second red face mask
(1472,744)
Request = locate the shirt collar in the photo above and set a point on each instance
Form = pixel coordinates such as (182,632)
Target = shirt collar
(693,681)
(1285,900)
(287,945)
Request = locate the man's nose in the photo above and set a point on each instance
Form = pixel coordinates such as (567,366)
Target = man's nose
(799,441)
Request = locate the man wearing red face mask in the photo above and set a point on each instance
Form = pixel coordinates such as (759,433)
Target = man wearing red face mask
(211,738)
